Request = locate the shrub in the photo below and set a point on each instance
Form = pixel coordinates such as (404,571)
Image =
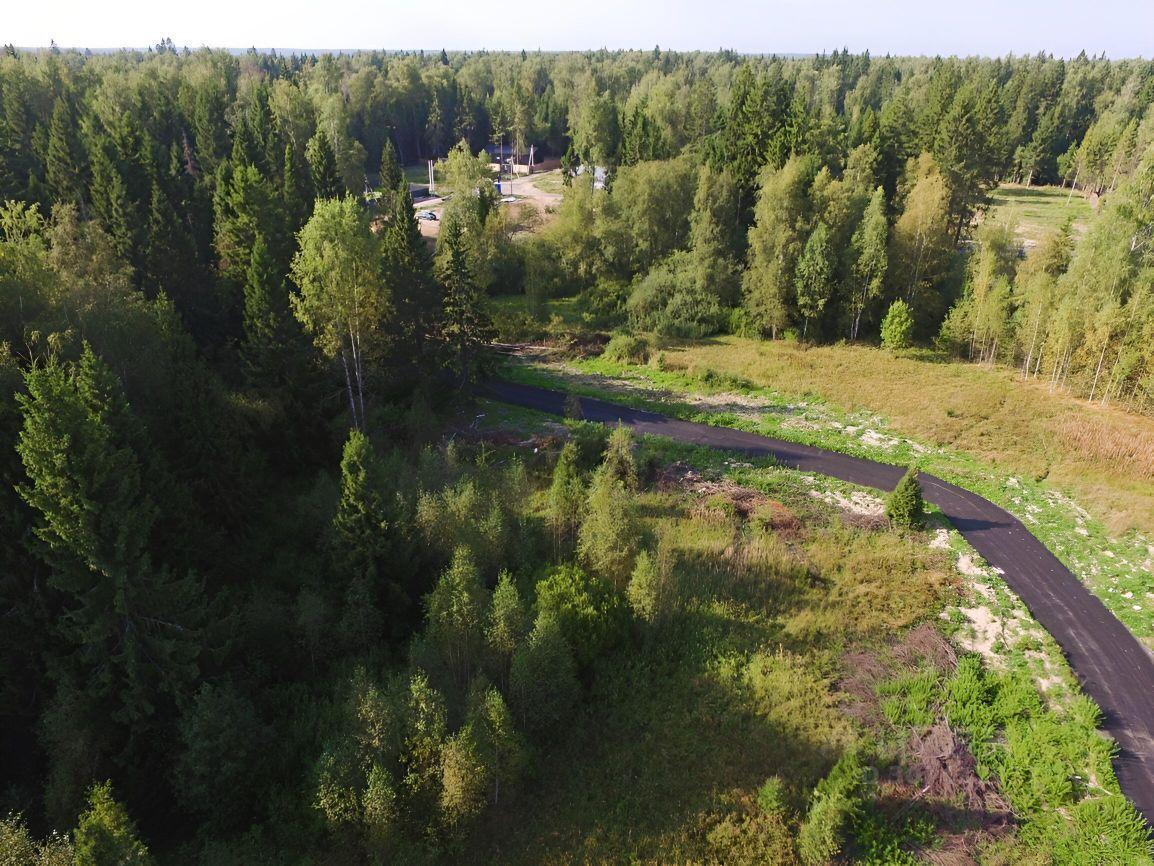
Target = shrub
(626,349)
(566,497)
(586,608)
(543,679)
(668,301)
(740,324)
(905,507)
(1103,830)
(18,847)
(619,460)
(836,799)
(479,512)
(605,303)
(908,700)
(573,409)
(771,796)
(609,534)
(898,326)
(590,440)
(969,707)
(644,590)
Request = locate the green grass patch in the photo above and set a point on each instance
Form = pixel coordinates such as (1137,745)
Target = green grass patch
(1115,567)
(1039,210)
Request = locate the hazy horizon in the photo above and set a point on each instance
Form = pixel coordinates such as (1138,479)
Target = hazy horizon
(990,28)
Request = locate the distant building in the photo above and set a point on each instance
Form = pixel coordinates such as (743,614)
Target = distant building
(502,158)
(600,173)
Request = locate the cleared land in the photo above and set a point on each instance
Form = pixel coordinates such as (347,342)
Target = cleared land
(1115,669)
(1039,210)
(801,626)
(1104,456)
(973,426)
(549,182)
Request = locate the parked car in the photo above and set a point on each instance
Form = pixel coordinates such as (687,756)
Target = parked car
(426,215)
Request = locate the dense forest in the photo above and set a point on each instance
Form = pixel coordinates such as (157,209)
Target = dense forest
(248,596)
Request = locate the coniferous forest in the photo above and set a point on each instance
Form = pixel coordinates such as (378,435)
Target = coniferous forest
(260,602)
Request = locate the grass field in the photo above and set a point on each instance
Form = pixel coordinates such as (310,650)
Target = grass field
(1103,457)
(1081,477)
(802,629)
(417,173)
(550,182)
(1039,210)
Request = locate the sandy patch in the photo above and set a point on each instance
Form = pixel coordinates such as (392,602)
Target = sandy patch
(941,539)
(969,567)
(741,405)
(859,502)
(985,631)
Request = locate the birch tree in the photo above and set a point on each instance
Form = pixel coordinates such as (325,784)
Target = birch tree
(342,300)
(870,258)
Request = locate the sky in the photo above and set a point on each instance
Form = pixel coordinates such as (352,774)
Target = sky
(1119,28)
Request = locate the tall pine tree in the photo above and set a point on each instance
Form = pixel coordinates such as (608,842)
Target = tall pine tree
(326,178)
(408,274)
(129,637)
(464,324)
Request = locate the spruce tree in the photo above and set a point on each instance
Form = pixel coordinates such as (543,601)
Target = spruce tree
(169,257)
(106,834)
(905,506)
(246,150)
(130,631)
(391,174)
(361,536)
(464,323)
(266,317)
(296,194)
(267,139)
(408,272)
(898,326)
(246,205)
(64,165)
(326,179)
(119,212)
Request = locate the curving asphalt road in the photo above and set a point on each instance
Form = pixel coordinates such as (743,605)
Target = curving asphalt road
(1113,667)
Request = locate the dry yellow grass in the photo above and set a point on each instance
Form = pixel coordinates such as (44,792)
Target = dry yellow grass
(1104,456)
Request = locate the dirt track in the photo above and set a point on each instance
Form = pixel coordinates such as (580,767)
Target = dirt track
(1114,669)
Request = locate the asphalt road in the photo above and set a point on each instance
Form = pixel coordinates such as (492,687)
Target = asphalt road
(1113,667)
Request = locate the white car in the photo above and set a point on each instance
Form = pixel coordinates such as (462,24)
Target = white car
(426,215)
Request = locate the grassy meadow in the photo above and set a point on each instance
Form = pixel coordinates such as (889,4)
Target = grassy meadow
(1079,476)
(803,629)
(549,182)
(1102,456)
(1038,211)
